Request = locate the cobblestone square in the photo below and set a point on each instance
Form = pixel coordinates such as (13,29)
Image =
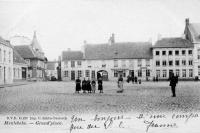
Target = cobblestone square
(59,98)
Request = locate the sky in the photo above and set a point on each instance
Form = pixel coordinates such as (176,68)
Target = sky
(63,24)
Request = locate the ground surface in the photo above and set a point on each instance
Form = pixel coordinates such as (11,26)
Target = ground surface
(59,97)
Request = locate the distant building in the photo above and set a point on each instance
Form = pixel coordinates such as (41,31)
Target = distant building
(108,60)
(52,69)
(173,55)
(20,67)
(6,62)
(34,56)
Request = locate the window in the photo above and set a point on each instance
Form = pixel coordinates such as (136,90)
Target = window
(177,72)
(164,73)
(4,56)
(190,72)
(176,52)
(164,63)
(79,63)
(123,63)
(183,52)
(157,63)
(163,52)
(190,62)
(87,73)
(170,63)
(72,63)
(190,52)
(124,73)
(79,73)
(115,73)
(131,63)
(177,63)
(198,56)
(139,62)
(157,52)
(139,73)
(9,56)
(147,72)
(157,73)
(147,62)
(93,74)
(183,62)
(184,73)
(170,52)
(0,56)
(199,70)
(66,73)
(115,63)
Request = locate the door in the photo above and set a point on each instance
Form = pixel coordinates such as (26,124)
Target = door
(72,75)
(23,73)
(4,75)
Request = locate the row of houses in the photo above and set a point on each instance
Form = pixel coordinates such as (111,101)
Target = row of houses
(180,55)
(21,62)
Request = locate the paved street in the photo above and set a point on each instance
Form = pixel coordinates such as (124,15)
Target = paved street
(59,97)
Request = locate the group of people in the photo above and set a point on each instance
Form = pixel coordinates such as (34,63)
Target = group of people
(88,86)
(133,79)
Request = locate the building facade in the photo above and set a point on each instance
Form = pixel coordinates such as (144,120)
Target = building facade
(52,69)
(34,57)
(108,60)
(6,62)
(20,67)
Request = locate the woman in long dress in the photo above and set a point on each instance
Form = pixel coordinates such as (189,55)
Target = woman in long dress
(100,85)
(78,85)
(93,85)
(120,84)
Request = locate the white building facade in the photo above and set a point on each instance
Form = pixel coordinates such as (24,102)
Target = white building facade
(6,62)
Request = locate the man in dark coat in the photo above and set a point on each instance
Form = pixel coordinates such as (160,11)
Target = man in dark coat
(89,89)
(173,82)
(100,85)
(84,85)
(78,85)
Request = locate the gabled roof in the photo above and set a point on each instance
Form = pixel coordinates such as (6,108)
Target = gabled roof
(195,30)
(27,52)
(72,55)
(51,65)
(173,43)
(5,42)
(17,58)
(121,50)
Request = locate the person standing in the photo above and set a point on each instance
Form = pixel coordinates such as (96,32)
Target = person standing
(173,82)
(120,84)
(78,85)
(100,85)
(84,87)
(88,86)
(93,85)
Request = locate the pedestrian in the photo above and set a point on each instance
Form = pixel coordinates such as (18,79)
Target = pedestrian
(93,85)
(135,80)
(173,82)
(84,86)
(100,85)
(88,86)
(120,84)
(78,85)
(132,79)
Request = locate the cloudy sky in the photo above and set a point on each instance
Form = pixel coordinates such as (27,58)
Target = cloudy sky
(62,24)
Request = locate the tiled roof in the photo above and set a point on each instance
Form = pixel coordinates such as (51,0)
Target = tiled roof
(124,50)
(5,42)
(195,29)
(17,58)
(25,51)
(72,55)
(51,65)
(173,43)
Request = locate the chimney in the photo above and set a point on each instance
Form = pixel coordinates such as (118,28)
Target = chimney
(111,40)
(187,21)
